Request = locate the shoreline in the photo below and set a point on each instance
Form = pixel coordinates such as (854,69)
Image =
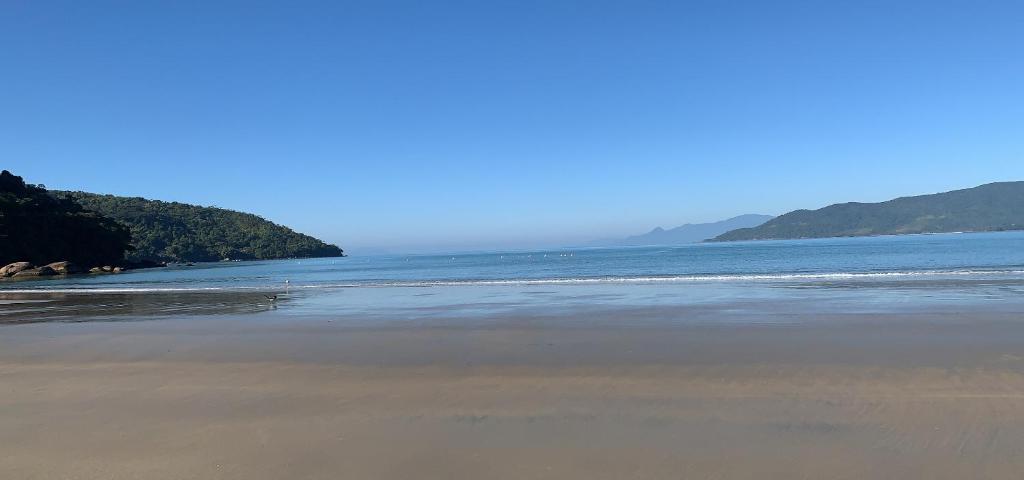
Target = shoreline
(649,303)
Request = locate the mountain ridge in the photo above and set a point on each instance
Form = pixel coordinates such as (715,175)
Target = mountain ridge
(692,232)
(993,206)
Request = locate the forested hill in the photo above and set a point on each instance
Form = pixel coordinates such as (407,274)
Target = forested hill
(37,228)
(172,231)
(990,207)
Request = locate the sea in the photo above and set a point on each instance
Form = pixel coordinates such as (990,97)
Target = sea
(847,274)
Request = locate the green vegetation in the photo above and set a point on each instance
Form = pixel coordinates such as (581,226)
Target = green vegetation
(991,207)
(39,228)
(171,231)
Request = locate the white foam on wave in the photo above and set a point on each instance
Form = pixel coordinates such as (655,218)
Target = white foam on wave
(624,280)
(709,278)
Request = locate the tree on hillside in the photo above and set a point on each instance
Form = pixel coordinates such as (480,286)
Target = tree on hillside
(38,227)
(172,231)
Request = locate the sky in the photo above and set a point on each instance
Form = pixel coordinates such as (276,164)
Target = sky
(502,124)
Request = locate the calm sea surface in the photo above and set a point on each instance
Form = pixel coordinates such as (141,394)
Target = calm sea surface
(865,271)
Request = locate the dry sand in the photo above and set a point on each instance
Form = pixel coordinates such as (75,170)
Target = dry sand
(937,395)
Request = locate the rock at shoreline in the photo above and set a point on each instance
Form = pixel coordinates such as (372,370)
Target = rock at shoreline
(65,268)
(43,271)
(27,269)
(14,268)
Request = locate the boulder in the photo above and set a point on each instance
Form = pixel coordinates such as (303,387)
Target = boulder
(11,269)
(65,268)
(107,268)
(117,270)
(95,270)
(43,271)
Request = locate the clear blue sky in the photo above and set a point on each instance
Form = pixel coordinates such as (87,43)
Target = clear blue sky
(519,123)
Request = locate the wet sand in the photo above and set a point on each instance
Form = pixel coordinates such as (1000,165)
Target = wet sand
(592,395)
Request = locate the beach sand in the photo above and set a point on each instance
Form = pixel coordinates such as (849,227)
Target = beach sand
(917,395)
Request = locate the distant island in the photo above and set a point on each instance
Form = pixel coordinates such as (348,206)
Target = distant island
(45,232)
(695,232)
(990,207)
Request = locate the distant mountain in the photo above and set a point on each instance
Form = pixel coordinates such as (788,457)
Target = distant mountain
(693,232)
(990,207)
(172,231)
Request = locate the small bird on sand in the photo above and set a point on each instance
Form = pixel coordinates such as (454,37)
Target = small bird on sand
(272,298)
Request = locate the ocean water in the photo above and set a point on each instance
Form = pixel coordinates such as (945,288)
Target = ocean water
(872,270)
(989,254)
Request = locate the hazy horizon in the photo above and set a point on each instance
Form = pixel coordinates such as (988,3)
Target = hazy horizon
(410,126)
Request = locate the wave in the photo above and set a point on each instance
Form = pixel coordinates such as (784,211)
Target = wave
(611,280)
(702,278)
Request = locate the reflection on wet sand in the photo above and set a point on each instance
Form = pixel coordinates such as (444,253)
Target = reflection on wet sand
(474,302)
(80,307)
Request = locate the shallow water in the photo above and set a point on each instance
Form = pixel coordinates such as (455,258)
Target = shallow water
(834,275)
